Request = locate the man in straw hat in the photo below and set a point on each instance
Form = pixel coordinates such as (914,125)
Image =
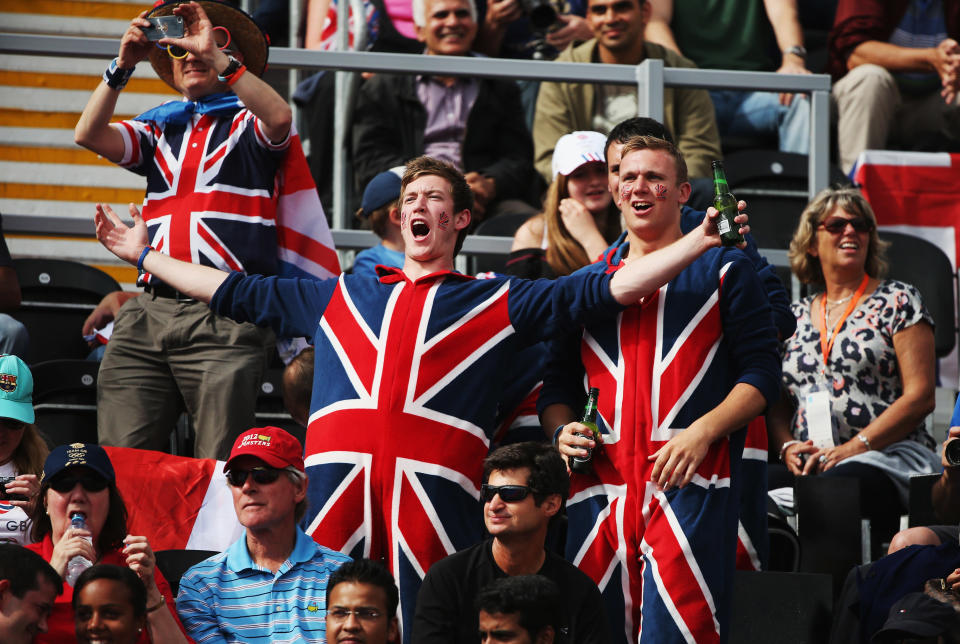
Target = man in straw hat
(227,186)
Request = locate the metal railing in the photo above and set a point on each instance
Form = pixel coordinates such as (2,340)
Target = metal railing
(650,78)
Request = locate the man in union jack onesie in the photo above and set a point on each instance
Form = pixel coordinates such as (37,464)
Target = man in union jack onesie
(409,367)
(681,372)
(221,167)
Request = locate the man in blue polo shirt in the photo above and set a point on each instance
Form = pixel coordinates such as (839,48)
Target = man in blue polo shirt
(271,584)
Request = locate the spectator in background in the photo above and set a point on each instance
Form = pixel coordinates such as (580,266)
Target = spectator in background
(167,351)
(222,598)
(579,219)
(858,374)
(618,28)
(22,451)
(14,338)
(736,34)
(110,605)
(362,601)
(520,610)
(297,385)
(474,124)
(28,588)
(896,74)
(79,479)
(524,487)
(380,212)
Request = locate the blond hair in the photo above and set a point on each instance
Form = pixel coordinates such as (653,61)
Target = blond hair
(807,267)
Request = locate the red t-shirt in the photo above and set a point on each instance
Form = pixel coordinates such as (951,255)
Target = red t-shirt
(60,626)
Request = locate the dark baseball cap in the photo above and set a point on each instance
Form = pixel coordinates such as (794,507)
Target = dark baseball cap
(382,189)
(78,454)
(918,615)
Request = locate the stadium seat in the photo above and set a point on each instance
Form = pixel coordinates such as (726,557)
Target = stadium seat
(58,295)
(781,607)
(933,277)
(829,525)
(774,185)
(173,563)
(65,400)
(270,409)
(502,226)
(921,502)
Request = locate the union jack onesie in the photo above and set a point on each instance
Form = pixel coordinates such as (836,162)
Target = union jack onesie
(666,557)
(408,376)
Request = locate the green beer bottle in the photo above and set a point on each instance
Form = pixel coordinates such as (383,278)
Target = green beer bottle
(583,464)
(726,204)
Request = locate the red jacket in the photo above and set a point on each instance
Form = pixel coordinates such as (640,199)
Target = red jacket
(60,628)
(858,21)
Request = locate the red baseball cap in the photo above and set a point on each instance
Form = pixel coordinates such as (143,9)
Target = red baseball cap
(272,445)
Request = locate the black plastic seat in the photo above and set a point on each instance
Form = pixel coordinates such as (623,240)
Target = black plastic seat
(57,296)
(503,226)
(173,563)
(65,400)
(933,277)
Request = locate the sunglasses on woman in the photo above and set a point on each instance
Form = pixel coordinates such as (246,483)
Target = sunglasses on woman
(260,476)
(836,225)
(508,493)
(67,482)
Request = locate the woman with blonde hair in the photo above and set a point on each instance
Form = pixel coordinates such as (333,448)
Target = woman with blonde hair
(22,450)
(858,374)
(579,219)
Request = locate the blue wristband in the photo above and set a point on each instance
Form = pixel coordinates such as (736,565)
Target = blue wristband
(556,433)
(115,77)
(143,256)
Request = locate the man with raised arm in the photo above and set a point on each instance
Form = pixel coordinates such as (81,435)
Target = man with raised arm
(221,166)
(681,372)
(410,361)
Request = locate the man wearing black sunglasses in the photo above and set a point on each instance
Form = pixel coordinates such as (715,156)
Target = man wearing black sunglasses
(525,485)
(224,597)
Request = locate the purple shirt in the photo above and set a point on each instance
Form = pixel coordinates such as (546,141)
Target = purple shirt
(447,111)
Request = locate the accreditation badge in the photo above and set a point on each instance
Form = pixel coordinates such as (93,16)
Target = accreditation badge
(819,418)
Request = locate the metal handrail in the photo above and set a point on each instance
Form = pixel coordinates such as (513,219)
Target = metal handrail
(651,77)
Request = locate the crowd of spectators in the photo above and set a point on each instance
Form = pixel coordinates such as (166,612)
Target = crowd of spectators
(400,340)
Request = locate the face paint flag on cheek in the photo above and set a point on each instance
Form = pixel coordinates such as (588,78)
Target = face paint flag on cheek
(403,219)
(625,190)
(444,220)
(661,191)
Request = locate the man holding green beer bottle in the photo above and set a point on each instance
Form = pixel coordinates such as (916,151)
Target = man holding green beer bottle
(682,372)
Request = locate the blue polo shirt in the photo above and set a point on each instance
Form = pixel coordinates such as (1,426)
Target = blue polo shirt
(228,598)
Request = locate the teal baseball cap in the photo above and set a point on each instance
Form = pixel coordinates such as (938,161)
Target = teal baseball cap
(16,389)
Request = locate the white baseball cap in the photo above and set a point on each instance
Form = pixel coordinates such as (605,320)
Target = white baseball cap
(575,149)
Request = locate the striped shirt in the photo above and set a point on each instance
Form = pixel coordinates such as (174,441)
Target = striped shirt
(228,598)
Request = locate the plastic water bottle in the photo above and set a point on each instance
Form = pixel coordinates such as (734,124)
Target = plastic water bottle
(77,564)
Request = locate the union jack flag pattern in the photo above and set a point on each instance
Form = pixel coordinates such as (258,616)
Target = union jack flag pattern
(220,193)
(668,557)
(408,379)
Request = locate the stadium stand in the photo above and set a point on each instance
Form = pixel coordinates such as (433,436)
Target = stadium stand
(65,400)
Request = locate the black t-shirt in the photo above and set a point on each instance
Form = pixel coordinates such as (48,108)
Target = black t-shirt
(445,612)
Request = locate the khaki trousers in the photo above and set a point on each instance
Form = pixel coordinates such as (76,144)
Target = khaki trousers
(872,115)
(165,357)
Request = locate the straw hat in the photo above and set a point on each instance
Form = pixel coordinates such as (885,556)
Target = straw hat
(245,36)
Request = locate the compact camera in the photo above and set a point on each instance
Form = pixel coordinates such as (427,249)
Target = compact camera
(3,491)
(163,27)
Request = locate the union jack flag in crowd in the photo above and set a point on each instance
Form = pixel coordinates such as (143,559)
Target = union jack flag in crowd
(667,557)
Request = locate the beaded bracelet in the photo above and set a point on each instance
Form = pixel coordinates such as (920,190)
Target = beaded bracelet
(115,77)
(865,441)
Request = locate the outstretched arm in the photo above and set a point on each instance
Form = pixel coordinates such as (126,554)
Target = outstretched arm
(199,282)
(648,273)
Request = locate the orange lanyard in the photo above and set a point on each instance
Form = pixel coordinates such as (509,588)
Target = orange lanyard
(826,345)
